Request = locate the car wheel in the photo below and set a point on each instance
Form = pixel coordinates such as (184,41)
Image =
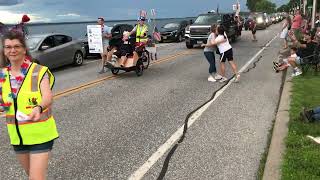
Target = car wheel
(189,46)
(78,58)
(179,39)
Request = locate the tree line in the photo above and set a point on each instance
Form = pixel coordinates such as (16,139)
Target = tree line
(261,6)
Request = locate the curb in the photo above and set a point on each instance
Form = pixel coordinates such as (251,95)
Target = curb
(272,170)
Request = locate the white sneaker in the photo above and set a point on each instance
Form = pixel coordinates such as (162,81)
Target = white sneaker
(211,79)
(297,73)
(223,79)
(217,76)
(237,78)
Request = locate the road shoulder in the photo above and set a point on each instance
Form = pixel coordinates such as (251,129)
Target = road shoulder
(276,151)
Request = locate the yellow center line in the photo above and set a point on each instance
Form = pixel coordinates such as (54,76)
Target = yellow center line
(98,81)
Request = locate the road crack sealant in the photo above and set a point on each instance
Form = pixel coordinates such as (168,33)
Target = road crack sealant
(195,112)
(178,137)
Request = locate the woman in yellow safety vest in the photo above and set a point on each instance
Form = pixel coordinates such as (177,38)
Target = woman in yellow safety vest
(26,98)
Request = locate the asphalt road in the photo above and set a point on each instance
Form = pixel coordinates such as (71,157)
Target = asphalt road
(109,130)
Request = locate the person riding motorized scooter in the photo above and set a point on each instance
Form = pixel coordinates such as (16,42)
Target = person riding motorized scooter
(141,30)
(125,49)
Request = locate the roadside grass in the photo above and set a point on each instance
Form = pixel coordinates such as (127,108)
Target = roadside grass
(302,156)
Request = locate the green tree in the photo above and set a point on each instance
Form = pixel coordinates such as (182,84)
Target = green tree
(284,8)
(266,6)
(251,4)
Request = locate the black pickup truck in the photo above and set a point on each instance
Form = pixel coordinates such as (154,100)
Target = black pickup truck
(198,32)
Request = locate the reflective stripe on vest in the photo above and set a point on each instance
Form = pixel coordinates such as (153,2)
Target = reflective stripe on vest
(141,32)
(45,115)
(35,78)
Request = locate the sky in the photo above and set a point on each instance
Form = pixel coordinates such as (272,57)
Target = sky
(48,11)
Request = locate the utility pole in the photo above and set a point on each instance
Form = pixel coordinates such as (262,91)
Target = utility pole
(305,2)
(314,11)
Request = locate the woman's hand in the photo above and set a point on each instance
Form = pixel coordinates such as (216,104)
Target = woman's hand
(35,114)
(203,45)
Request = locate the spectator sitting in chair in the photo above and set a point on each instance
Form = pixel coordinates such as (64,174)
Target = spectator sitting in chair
(316,38)
(305,50)
(285,64)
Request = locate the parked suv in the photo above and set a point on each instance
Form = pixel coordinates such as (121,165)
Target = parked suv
(198,32)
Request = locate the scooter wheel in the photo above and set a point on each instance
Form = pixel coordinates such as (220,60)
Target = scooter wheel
(115,71)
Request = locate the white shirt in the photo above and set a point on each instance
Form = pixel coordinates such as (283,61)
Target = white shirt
(225,46)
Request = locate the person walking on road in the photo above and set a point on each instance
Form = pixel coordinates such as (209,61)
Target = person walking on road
(106,36)
(253,28)
(26,98)
(226,53)
(284,31)
(209,54)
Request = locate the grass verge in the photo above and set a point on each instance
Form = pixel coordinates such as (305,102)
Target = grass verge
(302,156)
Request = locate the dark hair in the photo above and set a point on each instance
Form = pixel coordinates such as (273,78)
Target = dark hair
(11,35)
(101,18)
(221,31)
(295,49)
(213,27)
(288,18)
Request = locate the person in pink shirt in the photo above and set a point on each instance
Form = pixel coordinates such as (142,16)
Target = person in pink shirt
(296,24)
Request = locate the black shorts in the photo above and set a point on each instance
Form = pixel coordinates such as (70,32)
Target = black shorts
(228,55)
(124,50)
(33,149)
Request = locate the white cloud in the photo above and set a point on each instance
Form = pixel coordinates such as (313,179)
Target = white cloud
(14,18)
(69,15)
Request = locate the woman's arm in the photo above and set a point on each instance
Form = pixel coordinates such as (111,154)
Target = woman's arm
(218,41)
(47,98)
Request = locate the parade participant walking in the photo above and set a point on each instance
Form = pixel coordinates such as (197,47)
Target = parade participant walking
(26,99)
(253,28)
(209,54)
(284,31)
(226,53)
(106,36)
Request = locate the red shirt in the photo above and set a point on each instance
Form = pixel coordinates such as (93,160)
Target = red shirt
(297,21)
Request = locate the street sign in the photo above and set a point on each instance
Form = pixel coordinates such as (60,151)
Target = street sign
(94,38)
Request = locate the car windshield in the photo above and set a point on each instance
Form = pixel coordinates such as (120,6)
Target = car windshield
(171,25)
(207,19)
(32,42)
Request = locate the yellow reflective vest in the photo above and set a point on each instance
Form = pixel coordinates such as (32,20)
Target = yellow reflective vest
(21,130)
(140,32)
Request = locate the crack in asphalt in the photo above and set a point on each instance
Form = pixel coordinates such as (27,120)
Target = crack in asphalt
(185,129)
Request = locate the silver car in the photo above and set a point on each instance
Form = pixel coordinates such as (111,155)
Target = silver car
(55,50)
